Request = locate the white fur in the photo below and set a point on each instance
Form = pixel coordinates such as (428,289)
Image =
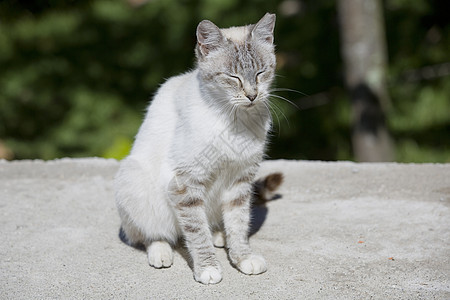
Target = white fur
(255,264)
(236,34)
(219,239)
(160,254)
(212,132)
(178,128)
(209,276)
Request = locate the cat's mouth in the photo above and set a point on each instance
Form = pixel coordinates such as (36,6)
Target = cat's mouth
(250,104)
(245,104)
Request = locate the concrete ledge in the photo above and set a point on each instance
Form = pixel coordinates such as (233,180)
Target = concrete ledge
(340,231)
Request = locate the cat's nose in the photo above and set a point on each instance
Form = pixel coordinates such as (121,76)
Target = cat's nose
(251,97)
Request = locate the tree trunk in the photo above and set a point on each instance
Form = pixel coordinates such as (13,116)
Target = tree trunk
(363,49)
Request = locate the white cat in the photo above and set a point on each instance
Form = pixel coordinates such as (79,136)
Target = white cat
(191,168)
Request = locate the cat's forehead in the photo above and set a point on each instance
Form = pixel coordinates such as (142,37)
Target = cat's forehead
(237,35)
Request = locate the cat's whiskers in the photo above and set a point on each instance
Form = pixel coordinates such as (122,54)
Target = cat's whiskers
(239,100)
(288,90)
(284,99)
(267,107)
(273,90)
(274,109)
(277,110)
(234,110)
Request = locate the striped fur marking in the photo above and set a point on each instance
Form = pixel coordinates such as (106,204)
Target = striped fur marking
(238,202)
(190,202)
(245,179)
(181,191)
(192,229)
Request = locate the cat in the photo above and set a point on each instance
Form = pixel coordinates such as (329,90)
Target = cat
(190,171)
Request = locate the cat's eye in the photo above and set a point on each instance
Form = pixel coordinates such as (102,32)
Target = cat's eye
(257,75)
(235,78)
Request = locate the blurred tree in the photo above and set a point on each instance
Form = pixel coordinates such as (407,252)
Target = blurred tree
(364,51)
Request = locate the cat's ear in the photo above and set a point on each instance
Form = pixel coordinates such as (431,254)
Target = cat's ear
(263,30)
(209,37)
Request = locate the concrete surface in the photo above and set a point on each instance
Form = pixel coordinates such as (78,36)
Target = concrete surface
(340,231)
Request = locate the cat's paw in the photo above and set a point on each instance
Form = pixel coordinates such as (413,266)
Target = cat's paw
(252,265)
(219,239)
(160,254)
(209,275)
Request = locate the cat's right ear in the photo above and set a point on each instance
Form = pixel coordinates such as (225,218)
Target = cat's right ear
(209,37)
(263,30)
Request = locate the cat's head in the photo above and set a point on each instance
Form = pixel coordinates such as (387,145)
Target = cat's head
(237,65)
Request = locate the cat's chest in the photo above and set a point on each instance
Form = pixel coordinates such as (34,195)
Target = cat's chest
(238,147)
(211,140)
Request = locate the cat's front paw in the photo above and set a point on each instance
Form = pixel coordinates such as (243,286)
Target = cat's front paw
(160,254)
(252,265)
(219,239)
(209,275)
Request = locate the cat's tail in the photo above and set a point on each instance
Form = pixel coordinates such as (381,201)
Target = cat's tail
(264,188)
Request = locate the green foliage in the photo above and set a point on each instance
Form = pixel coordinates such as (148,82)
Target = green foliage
(76,76)
(120,148)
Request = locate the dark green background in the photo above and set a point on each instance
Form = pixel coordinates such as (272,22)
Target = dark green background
(76,76)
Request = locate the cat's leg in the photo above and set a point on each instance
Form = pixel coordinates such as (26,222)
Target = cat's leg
(160,254)
(236,217)
(147,217)
(198,238)
(130,234)
(188,199)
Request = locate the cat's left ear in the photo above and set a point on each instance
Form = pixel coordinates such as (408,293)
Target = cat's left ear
(209,37)
(263,30)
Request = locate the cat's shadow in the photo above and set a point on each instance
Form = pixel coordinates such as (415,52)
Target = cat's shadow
(258,215)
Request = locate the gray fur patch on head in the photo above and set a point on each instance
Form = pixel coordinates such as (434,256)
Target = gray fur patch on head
(238,62)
